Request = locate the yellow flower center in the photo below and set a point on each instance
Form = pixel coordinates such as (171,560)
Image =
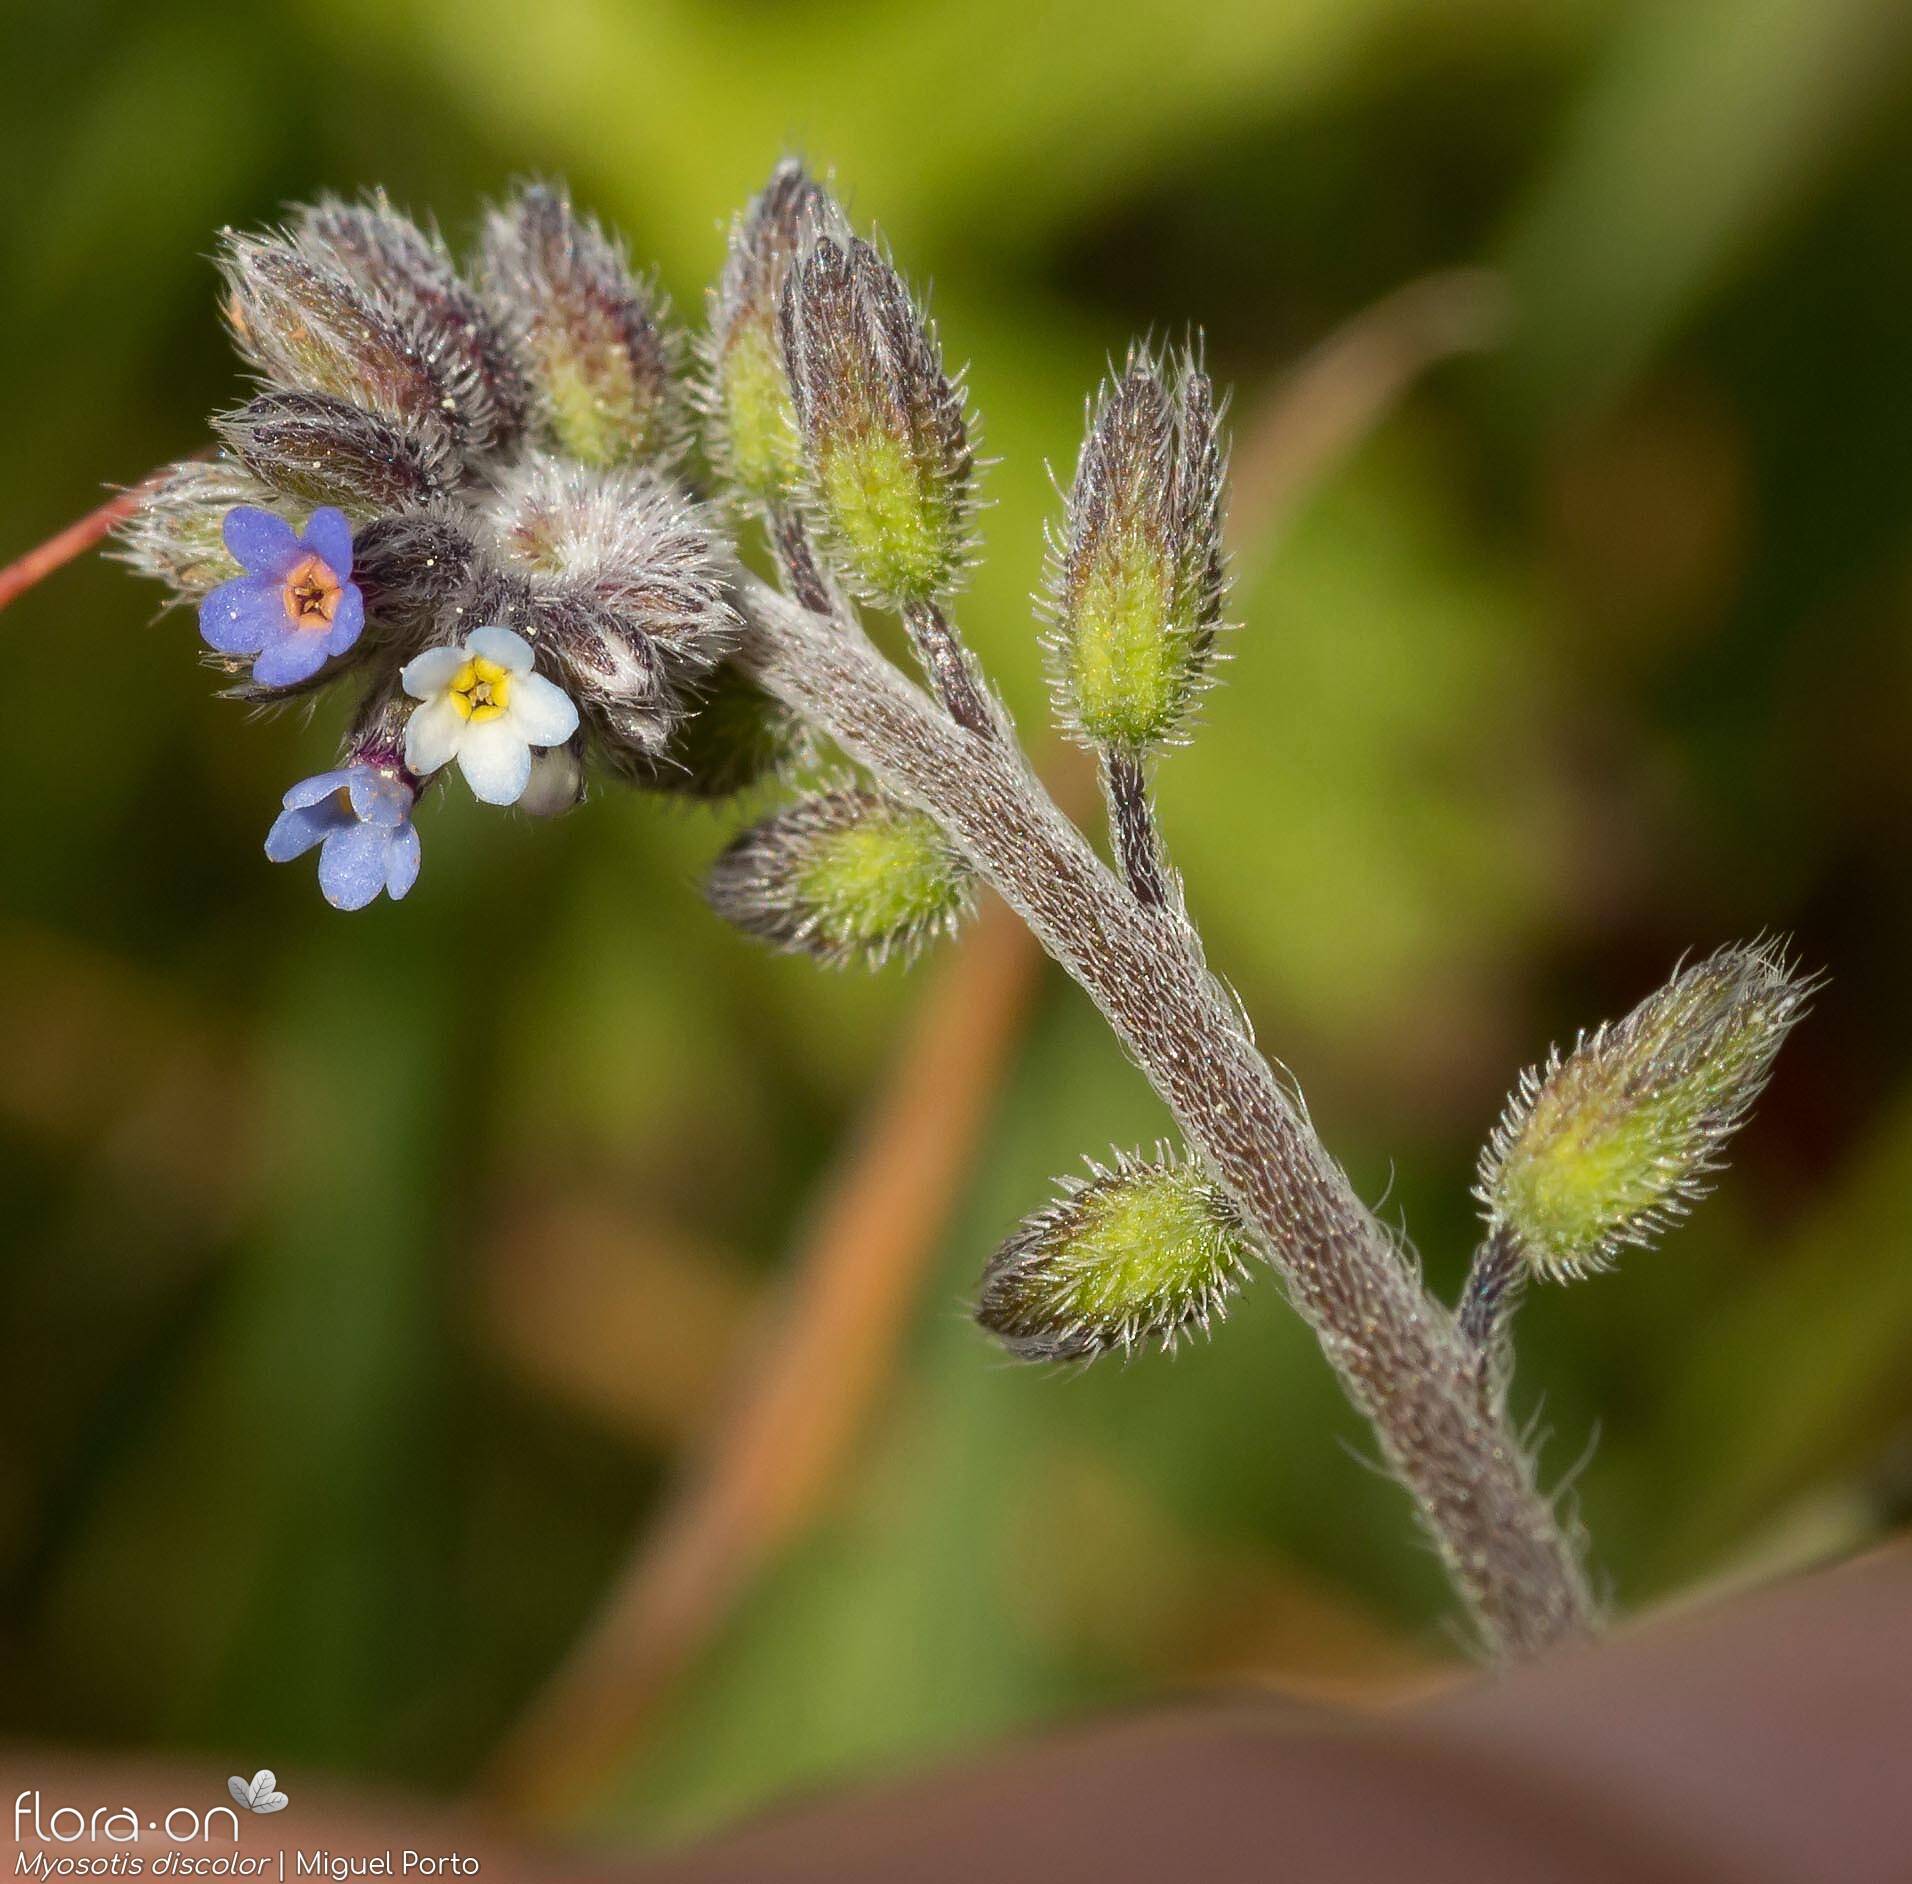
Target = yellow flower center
(481,690)
(311,594)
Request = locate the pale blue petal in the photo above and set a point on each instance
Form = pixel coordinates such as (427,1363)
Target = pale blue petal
(403,854)
(347,619)
(352,866)
(297,657)
(265,544)
(241,616)
(294,832)
(379,798)
(318,788)
(328,536)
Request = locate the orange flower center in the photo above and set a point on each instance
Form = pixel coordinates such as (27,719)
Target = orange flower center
(312,594)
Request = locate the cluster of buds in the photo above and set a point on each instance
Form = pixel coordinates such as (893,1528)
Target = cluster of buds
(465,494)
(458,494)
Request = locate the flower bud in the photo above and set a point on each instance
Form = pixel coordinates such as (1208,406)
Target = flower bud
(414,566)
(845,875)
(306,327)
(889,469)
(325,450)
(590,335)
(1613,1143)
(631,542)
(407,270)
(616,673)
(751,429)
(1136,581)
(175,532)
(1141,1252)
(557,779)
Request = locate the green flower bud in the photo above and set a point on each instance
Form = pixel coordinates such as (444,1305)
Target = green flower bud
(887,454)
(1138,1253)
(845,875)
(1136,579)
(1613,1143)
(751,420)
(590,336)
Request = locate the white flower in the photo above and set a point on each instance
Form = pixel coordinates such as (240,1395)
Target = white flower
(483,706)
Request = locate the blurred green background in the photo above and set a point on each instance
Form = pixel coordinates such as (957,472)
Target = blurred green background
(364,1280)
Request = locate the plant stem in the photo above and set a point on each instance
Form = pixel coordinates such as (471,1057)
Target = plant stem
(1398,1352)
(1138,842)
(1496,1280)
(951,669)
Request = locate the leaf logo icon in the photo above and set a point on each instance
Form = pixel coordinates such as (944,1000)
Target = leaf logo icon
(260,1793)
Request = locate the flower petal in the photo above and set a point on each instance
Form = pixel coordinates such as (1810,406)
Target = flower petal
(403,854)
(379,798)
(328,536)
(431,672)
(348,620)
(352,866)
(241,616)
(319,787)
(433,734)
(298,656)
(495,761)
(265,544)
(511,651)
(294,832)
(540,712)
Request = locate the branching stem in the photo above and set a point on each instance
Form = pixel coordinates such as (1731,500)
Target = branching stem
(1398,1353)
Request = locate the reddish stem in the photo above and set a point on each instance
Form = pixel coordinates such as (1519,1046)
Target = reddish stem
(28,571)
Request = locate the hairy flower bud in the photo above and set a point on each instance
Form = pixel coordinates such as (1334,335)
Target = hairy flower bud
(889,468)
(616,673)
(1136,579)
(846,875)
(175,532)
(630,541)
(407,269)
(590,335)
(415,566)
(307,327)
(751,428)
(1612,1143)
(1141,1252)
(325,450)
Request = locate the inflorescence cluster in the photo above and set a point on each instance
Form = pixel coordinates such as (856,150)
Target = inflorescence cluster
(502,504)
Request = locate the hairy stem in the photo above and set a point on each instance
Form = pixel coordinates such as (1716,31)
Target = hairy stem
(1138,843)
(1398,1352)
(1496,1280)
(950,668)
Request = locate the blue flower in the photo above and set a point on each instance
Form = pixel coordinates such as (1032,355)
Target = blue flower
(296,606)
(362,817)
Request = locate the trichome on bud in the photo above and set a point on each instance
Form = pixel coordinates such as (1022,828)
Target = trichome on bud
(1141,1251)
(1136,574)
(889,467)
(750,418)
(845,875)
(1612,1143)
(591,335)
